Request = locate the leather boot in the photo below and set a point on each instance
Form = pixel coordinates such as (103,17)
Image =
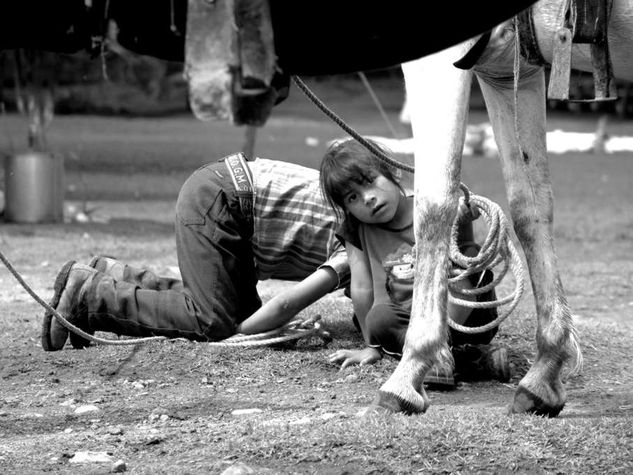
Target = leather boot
(70,285)
(144,278)
(481,362)
(109,266)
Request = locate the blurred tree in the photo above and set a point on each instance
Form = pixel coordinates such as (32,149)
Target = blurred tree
(34,82)
(117,81)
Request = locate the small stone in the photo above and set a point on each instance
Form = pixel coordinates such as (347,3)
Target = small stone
(238,469)
(88,408)
(119,466)
(328,415)
(303,420)
(91,457)
(115,431)
(243,412)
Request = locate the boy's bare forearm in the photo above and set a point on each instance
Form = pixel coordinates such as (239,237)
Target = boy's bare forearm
(283,307)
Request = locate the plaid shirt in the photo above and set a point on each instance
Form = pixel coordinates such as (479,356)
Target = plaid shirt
(293,224)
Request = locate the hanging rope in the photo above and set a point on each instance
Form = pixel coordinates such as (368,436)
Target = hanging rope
(351,132)
(378,105)
(358,137)
(497,248)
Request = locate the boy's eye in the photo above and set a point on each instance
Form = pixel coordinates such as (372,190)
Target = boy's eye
(351,198)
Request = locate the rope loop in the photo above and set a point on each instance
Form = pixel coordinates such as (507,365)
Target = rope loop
(497,249)
(293,330)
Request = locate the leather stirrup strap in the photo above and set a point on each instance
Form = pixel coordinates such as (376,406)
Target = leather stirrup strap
(586,21)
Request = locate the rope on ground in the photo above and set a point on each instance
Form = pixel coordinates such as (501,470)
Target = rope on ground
(69,326)
(294,330)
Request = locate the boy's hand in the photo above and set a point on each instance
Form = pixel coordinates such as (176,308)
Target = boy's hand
(352,357)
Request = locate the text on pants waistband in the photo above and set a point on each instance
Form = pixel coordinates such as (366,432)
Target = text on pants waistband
(240,173)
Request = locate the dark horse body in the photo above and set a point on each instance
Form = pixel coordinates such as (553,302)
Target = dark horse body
(311,38)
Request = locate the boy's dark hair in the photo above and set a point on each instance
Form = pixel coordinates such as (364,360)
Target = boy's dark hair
(349,161)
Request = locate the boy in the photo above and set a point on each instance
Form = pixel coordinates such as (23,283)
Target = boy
(237,222)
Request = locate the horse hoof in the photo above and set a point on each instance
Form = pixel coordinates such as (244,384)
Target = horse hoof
(385,402)
(526,401)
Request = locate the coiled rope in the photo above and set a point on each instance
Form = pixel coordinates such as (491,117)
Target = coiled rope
(293,330)
(497,248)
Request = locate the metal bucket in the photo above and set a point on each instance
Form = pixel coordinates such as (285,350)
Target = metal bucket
(34,188)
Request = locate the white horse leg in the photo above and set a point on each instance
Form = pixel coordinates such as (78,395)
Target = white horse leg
(529,193)
(438,94)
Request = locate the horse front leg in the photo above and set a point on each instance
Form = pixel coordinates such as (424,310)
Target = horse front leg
(529,191)
(438,94)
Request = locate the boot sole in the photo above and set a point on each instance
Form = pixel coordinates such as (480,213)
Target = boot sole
(58,288)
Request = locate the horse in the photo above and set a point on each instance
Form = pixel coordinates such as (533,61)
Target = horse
(515,95)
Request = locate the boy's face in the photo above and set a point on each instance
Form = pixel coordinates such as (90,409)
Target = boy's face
(375,201)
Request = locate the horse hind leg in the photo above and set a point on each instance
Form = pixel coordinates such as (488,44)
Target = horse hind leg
(529,191)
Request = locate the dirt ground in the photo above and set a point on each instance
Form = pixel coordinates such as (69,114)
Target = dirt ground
(167,407)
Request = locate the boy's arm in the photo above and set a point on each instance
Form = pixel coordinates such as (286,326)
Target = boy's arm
(362,286)
(362,292)
(284,306)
